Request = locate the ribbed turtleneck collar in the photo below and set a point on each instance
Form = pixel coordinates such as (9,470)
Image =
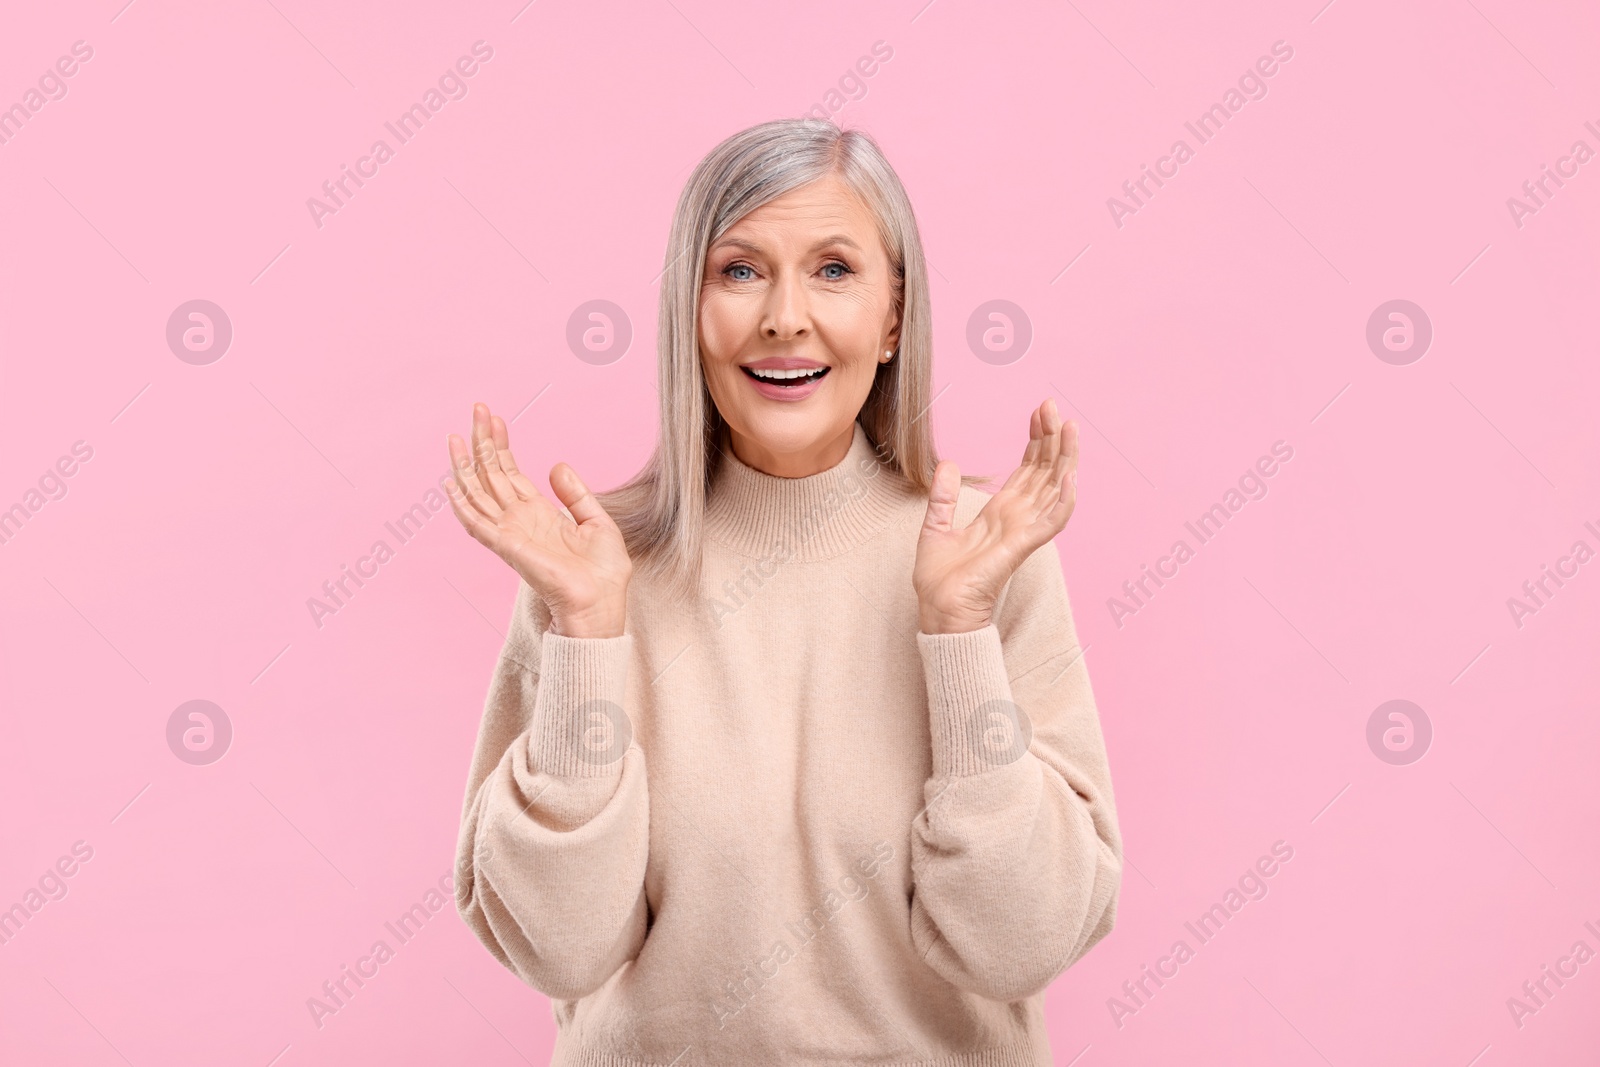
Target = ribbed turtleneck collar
(814,517)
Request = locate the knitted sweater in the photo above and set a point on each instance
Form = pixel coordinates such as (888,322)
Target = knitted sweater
(783,826)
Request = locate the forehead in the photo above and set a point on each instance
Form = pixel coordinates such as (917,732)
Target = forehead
(825,206)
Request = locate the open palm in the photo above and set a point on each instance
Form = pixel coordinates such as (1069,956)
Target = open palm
(959,573)
(579,564)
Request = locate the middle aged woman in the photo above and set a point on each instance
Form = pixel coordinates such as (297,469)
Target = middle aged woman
(790,755)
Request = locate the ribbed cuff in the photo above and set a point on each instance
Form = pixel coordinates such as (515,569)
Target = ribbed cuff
(974,723)
(580,729)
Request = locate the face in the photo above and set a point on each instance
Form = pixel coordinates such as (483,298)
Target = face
(797,308)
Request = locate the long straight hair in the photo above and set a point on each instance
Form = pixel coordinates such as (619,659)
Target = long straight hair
(661,510)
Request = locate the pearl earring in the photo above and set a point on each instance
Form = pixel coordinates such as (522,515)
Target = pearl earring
(887,356)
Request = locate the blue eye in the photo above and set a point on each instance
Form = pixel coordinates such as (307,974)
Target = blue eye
(729,271)
(835,265)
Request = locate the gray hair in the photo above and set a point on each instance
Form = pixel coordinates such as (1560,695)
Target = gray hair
(661,510)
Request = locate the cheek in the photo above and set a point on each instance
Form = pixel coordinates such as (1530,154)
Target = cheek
(853,331)
(723,327)
(720,344)
(858,379)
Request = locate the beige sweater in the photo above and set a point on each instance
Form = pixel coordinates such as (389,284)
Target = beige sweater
(784,826)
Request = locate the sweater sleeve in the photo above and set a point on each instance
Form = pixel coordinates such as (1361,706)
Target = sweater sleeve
(550,858)
(1017,859)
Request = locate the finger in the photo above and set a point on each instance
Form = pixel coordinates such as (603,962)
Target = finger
(488,457)
(1033,472)
(571,491)
(1060,479)
(523,485)
(1020,474)
(472,520)
(1035,432)
(1063,508)
(1067,461)
(1051,418)
(942,496)
(507,544)
(1042,495)
(467,478)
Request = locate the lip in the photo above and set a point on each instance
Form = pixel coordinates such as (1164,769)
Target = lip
(783,363)
(785,393)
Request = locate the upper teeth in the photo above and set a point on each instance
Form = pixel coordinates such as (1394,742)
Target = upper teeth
(784,373)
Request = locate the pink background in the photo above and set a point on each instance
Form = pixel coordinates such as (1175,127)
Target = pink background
(1227,314)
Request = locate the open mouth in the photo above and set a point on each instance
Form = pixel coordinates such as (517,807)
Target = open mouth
(787,379)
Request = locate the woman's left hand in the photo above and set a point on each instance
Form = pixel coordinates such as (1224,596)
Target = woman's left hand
(959,573)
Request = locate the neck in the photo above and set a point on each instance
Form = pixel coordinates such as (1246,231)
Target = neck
(813,516)
(821,456)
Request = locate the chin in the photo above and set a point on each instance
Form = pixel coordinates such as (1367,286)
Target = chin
(791,434)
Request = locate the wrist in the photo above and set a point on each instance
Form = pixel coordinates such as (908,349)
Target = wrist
(594,622)
(931,621)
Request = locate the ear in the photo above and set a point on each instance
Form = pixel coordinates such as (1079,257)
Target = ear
(891,340)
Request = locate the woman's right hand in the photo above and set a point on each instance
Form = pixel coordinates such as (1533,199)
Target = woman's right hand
(578,565)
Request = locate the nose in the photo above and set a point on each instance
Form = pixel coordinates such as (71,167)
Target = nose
(787,314)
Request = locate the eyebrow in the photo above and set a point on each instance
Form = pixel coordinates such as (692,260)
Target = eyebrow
(749,246)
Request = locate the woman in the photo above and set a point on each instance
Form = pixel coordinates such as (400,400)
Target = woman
(821,778)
